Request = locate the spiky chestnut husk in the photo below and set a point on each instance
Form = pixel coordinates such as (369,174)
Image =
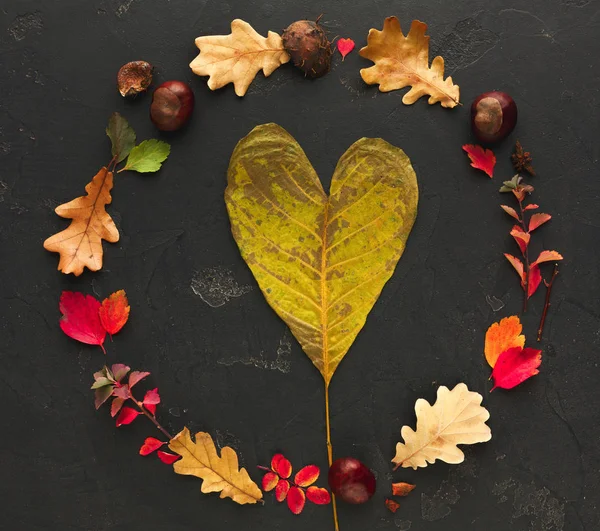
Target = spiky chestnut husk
(134,77)
(308,46)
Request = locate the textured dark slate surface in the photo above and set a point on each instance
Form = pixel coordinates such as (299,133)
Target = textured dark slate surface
(222,359)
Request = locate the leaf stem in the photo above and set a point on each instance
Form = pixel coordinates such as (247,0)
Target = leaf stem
(525,255)
(547,303)
(152,418)
(330,453)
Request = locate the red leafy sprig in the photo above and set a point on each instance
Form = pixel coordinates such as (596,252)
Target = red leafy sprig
(111,383)
(87,320)
(528,271)
(297,491)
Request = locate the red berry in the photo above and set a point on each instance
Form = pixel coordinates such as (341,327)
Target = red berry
(493,116)
(351,481)
(172,105)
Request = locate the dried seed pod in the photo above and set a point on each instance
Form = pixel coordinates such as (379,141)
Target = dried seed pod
(134,77)
(308,46)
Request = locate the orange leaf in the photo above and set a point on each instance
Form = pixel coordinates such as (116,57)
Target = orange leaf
(269,481)
(404,61)
(80,244)
(392,505)
(517,264)
(532,206)
(537,220)
(502,336)
(516,365)
(535,278)
(307,476)
(482,159)
(511,212)
(281,490)
(318,496)
(402,489)
(114,312)
(547,256)
(521,237)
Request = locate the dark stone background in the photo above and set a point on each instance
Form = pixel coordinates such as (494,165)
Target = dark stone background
(222,359)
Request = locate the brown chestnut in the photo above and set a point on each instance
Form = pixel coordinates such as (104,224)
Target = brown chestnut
(351,481)
(493,116)
(172,105)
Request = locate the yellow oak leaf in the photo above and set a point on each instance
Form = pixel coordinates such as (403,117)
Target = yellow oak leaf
(404,61)
(457,417)
(237,58)
(219,473)
(502,336)
(80,244)
(321,261)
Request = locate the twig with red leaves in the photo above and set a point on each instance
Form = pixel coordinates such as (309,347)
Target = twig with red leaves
(547,302)
(529,272)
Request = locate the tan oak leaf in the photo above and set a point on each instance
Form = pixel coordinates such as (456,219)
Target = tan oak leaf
(237,58)
(219,473)
(404,61)
(457,417)
(80,244)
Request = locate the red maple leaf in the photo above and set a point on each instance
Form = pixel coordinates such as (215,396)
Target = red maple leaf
(482,159)
(114,312)
(516,365)
(80,319)
(295,492)
(345,46)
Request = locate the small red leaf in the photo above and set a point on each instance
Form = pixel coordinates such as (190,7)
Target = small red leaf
(150,445)
(518,265)
(114,312)
(269,481)
(126,416)
(281,490)
(119,371)
(402,489)
(345,46)
(547,256)
(511,212)
(136,377)
(482,159)
(80,319)
(532,206)
(307,476)
(167,458)
(537,220)
(318,495)
(296,500)
(516,365)
(151,400)
(521,237)
(535,278)
(116,406)
(392,505)
(281,466)
(121,391)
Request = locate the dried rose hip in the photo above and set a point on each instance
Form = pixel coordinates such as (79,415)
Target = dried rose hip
(134,77)
(308,46)
(493,116)
(351,481)
(172,105)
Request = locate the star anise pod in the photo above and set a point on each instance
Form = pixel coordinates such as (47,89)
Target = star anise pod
(522,159)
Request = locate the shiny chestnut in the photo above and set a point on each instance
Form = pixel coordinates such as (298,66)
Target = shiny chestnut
(172,105)
(351,481)
(493,116)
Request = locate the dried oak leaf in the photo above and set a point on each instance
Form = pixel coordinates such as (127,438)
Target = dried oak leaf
(404,61)
(219,473)
(80,244)
(502,336)
(237,58)
(321,261)
(457,417)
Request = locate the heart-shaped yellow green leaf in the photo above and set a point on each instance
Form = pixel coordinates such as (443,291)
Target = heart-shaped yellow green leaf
(320,261)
